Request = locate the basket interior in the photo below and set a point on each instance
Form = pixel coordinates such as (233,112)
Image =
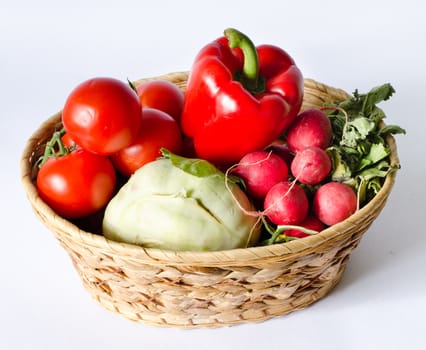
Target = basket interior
(88,230)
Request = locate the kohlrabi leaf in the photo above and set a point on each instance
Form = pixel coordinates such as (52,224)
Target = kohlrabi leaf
(193,166)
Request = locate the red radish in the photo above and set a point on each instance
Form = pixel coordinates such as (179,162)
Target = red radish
(310,223)
(286,203)
(334,202)
(311,128)
(283,151)
(311,165)
(261,170)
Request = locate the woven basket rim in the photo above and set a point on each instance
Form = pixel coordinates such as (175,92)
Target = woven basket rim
(160,256)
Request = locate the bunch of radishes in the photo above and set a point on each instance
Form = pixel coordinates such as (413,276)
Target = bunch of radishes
(291,181)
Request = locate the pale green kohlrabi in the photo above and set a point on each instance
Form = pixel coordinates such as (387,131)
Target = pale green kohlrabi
(180,204)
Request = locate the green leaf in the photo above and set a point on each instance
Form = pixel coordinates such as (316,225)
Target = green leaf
(375,185)
(362,187)
(378,151)
(352,156)
(363,125)
(377,115)
(375,96)
(356,130)
(365,104)
(380,170)
(193,166)
(370,181)
(341,171)
(391,129)
(363,148)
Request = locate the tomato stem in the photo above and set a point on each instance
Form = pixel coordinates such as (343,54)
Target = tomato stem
(55,148)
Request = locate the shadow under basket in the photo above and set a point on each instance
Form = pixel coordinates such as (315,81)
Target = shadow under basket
(206,289)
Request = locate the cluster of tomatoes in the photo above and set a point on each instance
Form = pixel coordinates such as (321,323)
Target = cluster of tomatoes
(109,127)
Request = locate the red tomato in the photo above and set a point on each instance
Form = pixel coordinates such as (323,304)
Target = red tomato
(159,130)
(77,184)
(162,95)
(102,115)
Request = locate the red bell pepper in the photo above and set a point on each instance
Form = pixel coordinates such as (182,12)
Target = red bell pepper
(239,97)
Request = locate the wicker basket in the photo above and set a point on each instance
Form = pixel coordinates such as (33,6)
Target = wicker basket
(208,289)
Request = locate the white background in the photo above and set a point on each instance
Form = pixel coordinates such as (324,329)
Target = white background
(48,47)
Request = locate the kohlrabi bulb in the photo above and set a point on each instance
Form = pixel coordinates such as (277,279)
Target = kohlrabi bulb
(180,204)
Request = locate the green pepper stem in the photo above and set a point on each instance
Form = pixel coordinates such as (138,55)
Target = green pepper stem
(250,72)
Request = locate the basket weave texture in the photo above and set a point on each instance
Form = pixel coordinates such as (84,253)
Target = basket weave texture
(206,289)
